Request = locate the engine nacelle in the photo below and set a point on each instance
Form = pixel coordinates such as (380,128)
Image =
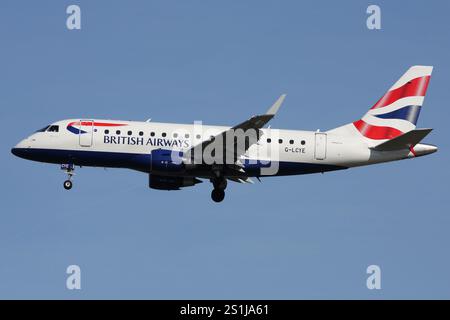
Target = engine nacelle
(166,161)
(171,183)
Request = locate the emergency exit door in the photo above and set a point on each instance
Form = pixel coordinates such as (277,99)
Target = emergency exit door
(86,132)
(321,146)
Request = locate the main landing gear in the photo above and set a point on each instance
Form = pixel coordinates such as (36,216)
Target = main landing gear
(218,193)
(69,170)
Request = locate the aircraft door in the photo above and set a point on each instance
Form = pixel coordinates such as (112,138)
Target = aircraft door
(320,152)
(86,130)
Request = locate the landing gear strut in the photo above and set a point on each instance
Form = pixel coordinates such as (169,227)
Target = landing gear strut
(218,193)
(69,170)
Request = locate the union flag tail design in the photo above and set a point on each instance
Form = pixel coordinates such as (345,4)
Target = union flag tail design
(398,110)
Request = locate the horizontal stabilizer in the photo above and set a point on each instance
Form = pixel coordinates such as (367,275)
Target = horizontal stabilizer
(405,141)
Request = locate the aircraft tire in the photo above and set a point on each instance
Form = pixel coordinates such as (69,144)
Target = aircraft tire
(68,184)
(217,195)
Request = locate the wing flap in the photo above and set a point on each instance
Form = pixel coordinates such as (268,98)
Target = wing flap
(241,180)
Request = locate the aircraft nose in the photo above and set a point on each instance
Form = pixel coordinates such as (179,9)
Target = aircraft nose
(20,150)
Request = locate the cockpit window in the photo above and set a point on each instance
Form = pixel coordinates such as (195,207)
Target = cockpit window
(50,128)
(43,129)
(53,129)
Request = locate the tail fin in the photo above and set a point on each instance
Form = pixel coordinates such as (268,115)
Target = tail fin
(397,111)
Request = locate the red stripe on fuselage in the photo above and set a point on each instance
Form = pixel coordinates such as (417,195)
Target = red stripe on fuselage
(415,87)
(375,132)
(96,124)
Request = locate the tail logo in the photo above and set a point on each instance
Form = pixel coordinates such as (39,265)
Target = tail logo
(398,110)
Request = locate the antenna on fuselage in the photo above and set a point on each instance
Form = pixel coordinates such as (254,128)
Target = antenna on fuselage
(148,120)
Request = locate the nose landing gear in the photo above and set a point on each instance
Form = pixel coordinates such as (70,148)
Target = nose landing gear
(69,170)
(68,184)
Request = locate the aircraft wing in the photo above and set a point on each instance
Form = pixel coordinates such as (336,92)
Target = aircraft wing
(241,180)
(235,149)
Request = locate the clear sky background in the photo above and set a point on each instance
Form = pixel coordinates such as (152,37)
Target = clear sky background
(221,62)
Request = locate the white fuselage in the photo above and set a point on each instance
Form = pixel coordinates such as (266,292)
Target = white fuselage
(126,144)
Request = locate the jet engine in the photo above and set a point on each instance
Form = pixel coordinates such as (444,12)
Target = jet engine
(171,183)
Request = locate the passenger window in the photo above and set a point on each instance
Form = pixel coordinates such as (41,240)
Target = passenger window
(291,141)
(130,133)
(198,136)
(175,135)
(53,129)
(303,142)
(141,133)
(118,132)
(186,135)
(163,134)
(106,131)
(269,140)
(152,134)
(280,141)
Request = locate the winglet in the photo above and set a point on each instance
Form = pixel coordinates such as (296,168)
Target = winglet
(274,108)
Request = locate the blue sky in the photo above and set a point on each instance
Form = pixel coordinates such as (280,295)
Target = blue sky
(296,237)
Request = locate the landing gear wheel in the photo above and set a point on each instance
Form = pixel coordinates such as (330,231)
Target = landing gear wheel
(217,195)
(68,184)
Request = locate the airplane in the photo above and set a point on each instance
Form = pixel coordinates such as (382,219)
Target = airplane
(174,155)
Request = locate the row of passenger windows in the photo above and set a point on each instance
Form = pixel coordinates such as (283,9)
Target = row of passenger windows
(152,134)
(280,141)
(175,135)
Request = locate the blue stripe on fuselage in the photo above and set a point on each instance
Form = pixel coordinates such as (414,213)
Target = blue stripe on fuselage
(284,168)
(141,162)
(75,130)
